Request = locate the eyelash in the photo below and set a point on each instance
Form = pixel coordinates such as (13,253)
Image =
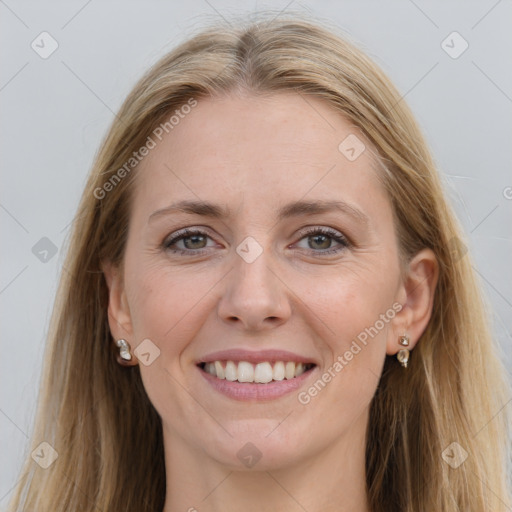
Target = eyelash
(186,233)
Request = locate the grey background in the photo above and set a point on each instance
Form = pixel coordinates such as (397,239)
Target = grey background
(56,110)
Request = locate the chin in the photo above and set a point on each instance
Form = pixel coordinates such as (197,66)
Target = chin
(257,445)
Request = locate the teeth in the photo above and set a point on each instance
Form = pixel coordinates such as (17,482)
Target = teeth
(219,370)
(278,371)
(261,373)
(231,371)
(289,370)
(245,372)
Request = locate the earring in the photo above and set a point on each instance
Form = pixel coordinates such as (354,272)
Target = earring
(404,340)
(403,355)
(124,350)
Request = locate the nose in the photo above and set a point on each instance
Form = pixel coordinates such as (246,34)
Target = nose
(256,297)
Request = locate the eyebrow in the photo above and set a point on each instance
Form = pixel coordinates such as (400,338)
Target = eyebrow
(295,209)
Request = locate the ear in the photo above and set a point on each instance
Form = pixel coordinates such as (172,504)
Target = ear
(119,317)
(416,294)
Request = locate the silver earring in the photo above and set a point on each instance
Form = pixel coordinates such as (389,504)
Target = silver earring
(124,350)
(403,355)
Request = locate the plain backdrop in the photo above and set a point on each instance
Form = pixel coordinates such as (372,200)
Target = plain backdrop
(56,110)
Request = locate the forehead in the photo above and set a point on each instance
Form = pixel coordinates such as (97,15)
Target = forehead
(267,150)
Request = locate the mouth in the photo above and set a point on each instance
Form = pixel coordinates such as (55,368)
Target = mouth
(264,372)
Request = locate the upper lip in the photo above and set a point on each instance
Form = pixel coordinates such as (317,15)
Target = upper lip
(253,356)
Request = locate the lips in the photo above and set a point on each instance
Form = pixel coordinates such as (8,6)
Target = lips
(252,356)
(260,367)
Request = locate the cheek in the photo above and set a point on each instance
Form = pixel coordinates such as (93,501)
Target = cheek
(157,303)
(165,304)
(358,312)
(164,307)
(352,302)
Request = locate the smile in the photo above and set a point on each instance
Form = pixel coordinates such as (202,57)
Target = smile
(261,373)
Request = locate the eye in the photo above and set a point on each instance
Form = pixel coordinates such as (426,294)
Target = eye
(193,241)
(320,240)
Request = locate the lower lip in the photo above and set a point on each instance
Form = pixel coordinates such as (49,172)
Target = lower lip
(254,391)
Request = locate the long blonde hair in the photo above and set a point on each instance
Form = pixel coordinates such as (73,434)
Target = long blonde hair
(96,414)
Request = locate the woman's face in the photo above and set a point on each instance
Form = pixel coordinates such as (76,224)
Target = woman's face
(273,274)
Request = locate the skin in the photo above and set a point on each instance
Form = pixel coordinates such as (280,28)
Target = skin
(255,154)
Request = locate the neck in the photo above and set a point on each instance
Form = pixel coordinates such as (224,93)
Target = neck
(333,480)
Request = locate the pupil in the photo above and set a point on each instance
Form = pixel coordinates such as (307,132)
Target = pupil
(325,238)
(194,239)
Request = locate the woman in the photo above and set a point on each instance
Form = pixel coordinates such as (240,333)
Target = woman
(267,304)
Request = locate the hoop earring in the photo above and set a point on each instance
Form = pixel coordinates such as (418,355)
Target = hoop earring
(124,350)
(403,354)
